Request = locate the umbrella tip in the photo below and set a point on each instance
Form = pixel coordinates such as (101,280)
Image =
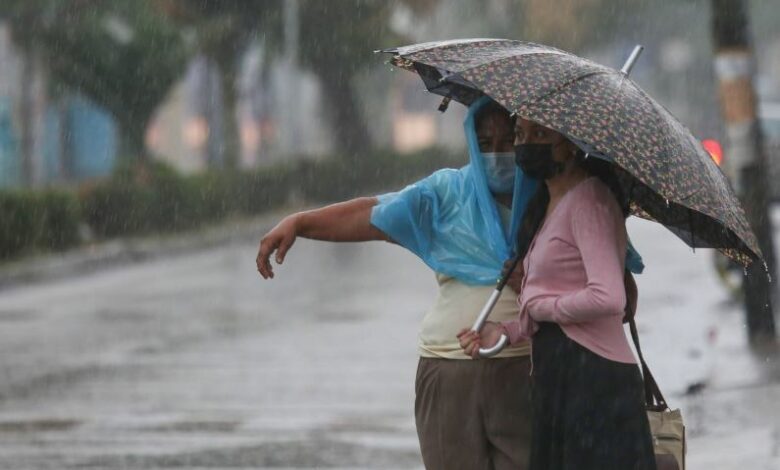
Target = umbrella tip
(632,59)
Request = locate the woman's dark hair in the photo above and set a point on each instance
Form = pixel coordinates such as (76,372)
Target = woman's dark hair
(532,219)
(537,206)
(605,171)
(490,108)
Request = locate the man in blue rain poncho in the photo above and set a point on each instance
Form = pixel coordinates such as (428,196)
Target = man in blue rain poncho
(463,224)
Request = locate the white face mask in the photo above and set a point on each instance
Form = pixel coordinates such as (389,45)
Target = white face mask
(500,171)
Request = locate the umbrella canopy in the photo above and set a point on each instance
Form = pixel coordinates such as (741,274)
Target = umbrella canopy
(668,176)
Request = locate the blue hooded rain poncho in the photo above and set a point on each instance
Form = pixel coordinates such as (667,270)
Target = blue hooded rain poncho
(451,221)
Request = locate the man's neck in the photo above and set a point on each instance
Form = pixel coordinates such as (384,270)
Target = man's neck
(503,199)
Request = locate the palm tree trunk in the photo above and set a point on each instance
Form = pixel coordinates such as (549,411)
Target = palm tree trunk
(230,132)
(348,125)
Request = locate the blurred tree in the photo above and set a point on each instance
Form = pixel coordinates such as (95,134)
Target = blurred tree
(337,43)
(334,40)
(223,30)
(568,24)
(122,55)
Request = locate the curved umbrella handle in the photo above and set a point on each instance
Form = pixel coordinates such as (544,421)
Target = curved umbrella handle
(480,322)
(490,352)
(482,317)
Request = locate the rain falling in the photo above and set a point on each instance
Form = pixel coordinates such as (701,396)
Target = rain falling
(407,234)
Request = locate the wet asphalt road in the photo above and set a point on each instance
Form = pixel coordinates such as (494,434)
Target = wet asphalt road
(194,362)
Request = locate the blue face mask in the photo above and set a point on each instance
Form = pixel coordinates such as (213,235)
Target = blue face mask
(500,171)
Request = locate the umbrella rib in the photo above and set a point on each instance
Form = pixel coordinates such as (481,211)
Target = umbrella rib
(562,87)
(660,111)
(509,56)
(739,244)
(400,56)
(417,48)
(623,82)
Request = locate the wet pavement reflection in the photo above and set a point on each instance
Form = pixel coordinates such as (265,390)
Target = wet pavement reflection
(194,362)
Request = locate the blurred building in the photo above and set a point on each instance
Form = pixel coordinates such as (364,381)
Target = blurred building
(414,120)
(70,139)
(277,114)
(280,116)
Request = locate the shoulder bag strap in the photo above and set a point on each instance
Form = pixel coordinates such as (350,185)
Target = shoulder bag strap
(654,399)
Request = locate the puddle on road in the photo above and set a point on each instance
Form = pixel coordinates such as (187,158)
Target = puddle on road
(197,426)
(124,315)
(291,454)
(17,315)
(37,425)
(339,316)
(368,424)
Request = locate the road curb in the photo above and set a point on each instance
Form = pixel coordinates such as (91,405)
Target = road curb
(110,253)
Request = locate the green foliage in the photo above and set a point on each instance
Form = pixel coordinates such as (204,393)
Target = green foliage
(20,226)
(41,220)
(343,35)
(60,215)
(121,54)
(224,193)
(114,209)
(143,198)
(150,197)
(381,170)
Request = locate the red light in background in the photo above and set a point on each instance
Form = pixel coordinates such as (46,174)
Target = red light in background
(714,149)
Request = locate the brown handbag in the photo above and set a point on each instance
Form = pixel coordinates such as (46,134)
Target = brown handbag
(666,425)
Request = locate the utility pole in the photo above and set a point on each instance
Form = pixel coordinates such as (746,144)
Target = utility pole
(745,158)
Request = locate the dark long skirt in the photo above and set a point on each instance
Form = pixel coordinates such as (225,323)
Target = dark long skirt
(588,411)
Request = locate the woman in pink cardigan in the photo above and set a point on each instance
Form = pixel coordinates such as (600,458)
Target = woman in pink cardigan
(588,405)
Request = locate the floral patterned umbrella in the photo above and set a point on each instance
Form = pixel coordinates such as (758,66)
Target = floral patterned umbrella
(666,173)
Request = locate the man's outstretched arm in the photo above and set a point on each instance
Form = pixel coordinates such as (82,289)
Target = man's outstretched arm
(348,221)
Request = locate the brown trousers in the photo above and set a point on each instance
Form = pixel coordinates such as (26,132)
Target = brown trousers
(474,415)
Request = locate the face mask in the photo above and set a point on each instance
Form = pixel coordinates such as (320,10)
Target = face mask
(500,171)
(536,160)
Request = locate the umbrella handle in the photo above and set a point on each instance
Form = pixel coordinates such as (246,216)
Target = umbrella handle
(490,352)
(480,322)
(482,317)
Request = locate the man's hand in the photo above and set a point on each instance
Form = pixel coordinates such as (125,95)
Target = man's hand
(515,280)
(348,221)
(279,239)
(472,341)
